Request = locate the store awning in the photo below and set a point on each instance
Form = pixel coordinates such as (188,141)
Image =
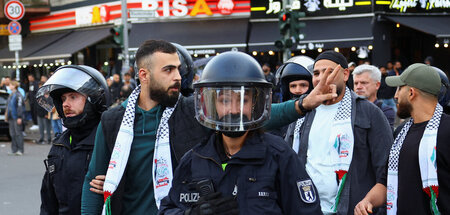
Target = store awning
(218,35)
(31,44)
(438,26)
(70,43)
(318,33)
(55,45)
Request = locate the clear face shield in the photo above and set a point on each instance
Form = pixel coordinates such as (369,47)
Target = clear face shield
(67,78)
(232,108)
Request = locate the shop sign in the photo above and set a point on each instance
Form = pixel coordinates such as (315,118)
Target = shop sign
(202,51)
(310,46)
(148,9)
(271,8)
(403,5)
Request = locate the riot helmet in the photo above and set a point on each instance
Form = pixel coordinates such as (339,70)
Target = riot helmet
(186,70)
(232,95)
(444,95)
(79,78)
(296,68)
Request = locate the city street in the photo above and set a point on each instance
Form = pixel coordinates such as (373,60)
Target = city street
(21,177)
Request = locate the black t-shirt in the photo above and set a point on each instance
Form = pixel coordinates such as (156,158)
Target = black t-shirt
(411,198)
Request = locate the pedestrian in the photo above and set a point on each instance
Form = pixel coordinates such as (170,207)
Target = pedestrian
(343,142)
(79,94)
(132,132)
(56,122)
(44,122)
(33,86)
(367,81)
(116,87)
(246,170)
(417,176)
(14,116)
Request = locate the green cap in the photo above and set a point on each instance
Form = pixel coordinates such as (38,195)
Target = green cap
(420,76)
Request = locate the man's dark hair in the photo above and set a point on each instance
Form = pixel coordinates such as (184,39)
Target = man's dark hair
(151,46)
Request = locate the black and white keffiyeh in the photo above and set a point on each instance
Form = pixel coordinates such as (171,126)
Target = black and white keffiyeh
(341,139)
(427,162)
(162,162)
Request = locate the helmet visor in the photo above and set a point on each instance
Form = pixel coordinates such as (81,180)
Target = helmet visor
(66,78)
(232,108)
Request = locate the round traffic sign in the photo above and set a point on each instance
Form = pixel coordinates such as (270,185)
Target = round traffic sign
(14,10)
(14,28)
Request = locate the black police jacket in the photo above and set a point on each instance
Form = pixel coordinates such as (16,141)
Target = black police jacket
(265,176)
(185,132)
(66,167)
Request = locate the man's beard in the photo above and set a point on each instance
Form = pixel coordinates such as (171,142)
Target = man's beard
(163,97)
(404,110)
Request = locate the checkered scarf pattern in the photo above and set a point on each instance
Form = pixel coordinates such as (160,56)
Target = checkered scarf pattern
(427,162)
(121,150)
(341,138)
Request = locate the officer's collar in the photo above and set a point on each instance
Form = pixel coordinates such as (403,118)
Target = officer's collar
(253,151)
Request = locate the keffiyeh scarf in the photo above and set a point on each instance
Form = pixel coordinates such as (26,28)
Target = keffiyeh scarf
(162,163)
(341,139)
(427,163)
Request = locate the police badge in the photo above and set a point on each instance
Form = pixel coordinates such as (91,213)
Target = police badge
(307,191)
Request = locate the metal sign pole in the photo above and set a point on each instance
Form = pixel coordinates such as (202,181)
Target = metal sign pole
(17,66)
(286,51)
(126,61)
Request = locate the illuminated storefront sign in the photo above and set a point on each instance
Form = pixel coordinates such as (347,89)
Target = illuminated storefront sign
(270,8)
(157,9)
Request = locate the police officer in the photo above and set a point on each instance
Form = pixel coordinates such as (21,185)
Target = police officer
(295,77)
(80,95)
(238,169)
(444,94)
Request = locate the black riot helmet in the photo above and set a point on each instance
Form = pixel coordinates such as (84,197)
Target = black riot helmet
(296,68)
(232,94)
(444,95)
(186,70)
(76,78)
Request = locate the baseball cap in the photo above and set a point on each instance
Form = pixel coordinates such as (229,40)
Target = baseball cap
(420,76)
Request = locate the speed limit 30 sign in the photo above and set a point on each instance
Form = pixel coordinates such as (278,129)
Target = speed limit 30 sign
(14,10)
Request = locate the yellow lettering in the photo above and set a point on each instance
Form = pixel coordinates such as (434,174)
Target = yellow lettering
(200,7)
(96,15)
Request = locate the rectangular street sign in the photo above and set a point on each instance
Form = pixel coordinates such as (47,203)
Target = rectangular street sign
(15,46)
(15,38)
(135,13)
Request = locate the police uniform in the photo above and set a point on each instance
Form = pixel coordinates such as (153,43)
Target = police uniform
(265,177)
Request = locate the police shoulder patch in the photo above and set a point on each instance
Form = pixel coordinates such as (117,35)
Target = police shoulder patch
(307,191)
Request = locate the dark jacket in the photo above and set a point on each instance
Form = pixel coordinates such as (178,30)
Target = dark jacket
(265,176)
(66,166)
(373,140)
(15,107)
(185,132)
(184,135)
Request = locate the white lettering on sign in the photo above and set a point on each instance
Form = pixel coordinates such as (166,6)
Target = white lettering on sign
(402,5)
(179,5)
(341,4)
(430,4)
(312,5)
(274,7)
(296,5)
